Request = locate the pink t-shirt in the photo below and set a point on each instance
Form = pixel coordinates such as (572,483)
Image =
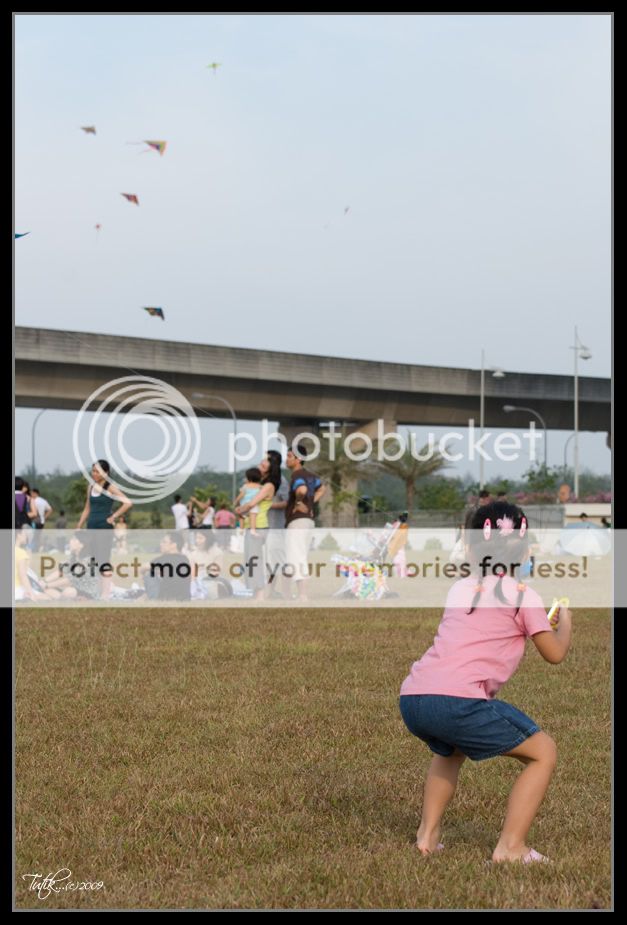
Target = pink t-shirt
(473,655)
(224,518)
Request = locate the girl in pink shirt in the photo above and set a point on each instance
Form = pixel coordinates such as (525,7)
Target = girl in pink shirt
(448,698)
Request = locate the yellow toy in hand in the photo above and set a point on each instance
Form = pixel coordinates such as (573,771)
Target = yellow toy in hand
(554,613)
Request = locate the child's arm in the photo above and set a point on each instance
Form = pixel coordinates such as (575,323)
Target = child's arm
(554,644)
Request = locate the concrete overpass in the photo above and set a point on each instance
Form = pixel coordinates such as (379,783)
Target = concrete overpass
(60,369)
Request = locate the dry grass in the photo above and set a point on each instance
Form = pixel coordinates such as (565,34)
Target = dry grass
(257,759)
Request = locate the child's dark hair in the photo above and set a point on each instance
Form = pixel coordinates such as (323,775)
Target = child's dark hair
(498,533)
(253,475)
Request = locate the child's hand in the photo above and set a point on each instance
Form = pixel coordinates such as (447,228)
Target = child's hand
(559,611)
(562,617)
(565,615)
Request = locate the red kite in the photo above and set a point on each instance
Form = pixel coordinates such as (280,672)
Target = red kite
(131,197)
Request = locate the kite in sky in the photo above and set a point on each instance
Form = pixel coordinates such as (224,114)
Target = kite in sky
(97,227)
(214,66)
(155,312)
(346,210)
(89,129)
(131,197)
(23,235)
(159,146)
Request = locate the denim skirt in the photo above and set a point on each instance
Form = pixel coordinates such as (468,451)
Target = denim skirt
(478,728)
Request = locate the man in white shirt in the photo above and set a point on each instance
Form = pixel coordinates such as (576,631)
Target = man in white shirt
(180,514)
(44,510)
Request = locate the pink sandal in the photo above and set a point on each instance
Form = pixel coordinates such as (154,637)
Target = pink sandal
(533,855)
(529,858)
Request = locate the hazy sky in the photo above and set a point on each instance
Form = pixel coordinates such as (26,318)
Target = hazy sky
(474,153)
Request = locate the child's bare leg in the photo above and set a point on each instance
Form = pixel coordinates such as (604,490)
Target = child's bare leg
(253,524)
(539,754)
(439,789)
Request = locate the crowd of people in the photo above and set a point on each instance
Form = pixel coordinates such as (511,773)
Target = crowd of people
(276,517)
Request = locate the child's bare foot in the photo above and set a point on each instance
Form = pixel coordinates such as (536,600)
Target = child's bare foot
(428,842)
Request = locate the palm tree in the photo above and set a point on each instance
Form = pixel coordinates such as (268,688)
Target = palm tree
(409,469)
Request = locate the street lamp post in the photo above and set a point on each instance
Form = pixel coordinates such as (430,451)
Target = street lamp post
(32,443)
(509,408)
(580,351)
(496,374)
(565,453)
(232,413)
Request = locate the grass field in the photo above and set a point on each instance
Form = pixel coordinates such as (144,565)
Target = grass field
(251,759)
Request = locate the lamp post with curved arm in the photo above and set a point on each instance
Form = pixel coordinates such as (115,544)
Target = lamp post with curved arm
(496,374)
(566,453)
(581,351)
(509,408)
(231,410)
(32,443)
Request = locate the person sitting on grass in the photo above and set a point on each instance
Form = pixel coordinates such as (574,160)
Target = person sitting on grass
(206,559)
(27,586)
(448,698)
(78,577)
(168,576)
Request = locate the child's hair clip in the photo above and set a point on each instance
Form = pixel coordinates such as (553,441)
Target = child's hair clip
(505,525)
(523,526)
(487,529)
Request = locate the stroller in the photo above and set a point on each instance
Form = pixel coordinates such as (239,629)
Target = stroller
(366,572)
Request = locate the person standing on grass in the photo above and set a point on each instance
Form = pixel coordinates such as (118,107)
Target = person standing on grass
(448,698)
(396,549)
(44,510)
(179,512)
(224,520)
(208,510)
(306,489)
(100,518)
(25,510)
(255,560)
(276,523)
